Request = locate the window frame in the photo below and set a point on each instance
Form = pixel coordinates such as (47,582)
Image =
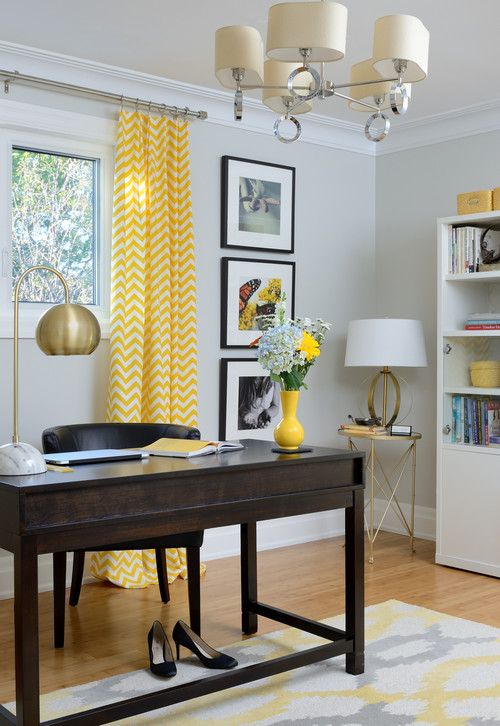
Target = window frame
(71,144)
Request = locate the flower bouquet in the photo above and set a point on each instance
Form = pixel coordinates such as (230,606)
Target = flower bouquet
(287,349)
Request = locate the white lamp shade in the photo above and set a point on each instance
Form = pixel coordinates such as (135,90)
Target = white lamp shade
(239,46)
(320,26)
(385,342)
(364,71)
(404,37)
(276,76)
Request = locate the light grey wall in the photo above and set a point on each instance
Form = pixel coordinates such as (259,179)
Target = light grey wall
(335,243)
(413,188)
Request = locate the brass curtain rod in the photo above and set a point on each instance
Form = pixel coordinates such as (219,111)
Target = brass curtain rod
(14,76)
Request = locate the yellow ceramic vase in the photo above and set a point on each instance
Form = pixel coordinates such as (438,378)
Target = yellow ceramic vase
(289,433)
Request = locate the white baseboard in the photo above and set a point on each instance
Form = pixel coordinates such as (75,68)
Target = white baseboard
(225,542)
(425,519)
(484,568)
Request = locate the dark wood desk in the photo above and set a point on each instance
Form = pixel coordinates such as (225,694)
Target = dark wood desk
(108,503)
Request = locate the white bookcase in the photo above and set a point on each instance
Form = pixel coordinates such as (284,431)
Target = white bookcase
(468,476)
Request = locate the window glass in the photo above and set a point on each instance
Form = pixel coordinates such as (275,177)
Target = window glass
(54,223)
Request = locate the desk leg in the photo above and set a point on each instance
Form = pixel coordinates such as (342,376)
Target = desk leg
(26,633)
(248,576)
(354,583)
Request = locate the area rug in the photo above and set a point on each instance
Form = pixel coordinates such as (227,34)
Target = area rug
(422,667)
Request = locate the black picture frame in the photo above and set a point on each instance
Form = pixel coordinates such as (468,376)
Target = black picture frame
(234,271)
(277,230)
(232,370)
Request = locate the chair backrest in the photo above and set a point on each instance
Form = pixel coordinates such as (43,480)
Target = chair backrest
(83,437)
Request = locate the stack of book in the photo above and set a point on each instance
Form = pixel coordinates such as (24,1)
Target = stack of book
(475,420)
(357,430)
(464,249)
(483,321)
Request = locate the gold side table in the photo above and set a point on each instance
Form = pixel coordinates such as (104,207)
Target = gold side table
(390,483)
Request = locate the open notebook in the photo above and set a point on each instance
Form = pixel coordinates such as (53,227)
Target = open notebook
(187,448)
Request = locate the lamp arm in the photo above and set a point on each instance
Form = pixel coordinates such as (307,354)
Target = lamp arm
(15,422)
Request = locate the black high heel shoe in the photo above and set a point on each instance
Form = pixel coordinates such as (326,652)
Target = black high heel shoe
(211,658)
(161,660)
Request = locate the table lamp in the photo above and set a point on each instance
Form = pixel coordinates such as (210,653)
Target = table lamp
(385,342)
(66,329)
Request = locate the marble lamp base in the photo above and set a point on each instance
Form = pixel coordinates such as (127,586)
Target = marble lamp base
(21,459)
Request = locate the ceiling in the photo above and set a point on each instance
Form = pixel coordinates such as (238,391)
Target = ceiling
(176,40)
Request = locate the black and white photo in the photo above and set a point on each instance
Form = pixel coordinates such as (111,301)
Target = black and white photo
(249,400)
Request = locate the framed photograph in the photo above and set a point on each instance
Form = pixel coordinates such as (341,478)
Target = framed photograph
(258,205)
(249,400)
(250,289)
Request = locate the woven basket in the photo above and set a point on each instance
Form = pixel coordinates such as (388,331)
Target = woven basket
(474,202)
(485,373)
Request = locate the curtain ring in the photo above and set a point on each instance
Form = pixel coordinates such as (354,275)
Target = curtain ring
(164,109)
(149,108)
(137,105)
(121,102)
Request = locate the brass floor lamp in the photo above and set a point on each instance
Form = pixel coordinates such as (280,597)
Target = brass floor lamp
(65,329)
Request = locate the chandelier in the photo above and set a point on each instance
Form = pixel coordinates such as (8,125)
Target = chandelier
(303,35)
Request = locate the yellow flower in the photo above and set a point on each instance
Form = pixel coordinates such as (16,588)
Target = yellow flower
(247,317)
(272,292)
(309,346)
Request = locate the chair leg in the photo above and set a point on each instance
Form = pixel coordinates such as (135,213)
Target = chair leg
(193,568)
(161,569)
(77,577)
(59,595)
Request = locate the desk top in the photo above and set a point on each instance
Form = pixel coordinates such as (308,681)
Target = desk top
(97,504)
(256,454)
(380,437)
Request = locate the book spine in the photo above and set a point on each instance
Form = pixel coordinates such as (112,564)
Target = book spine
(483,326)
(475,422)
(454,418)
(460,430)
(466,421)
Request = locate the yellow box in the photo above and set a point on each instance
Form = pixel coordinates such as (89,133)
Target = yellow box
(485,373)
(496,198)
(474,202)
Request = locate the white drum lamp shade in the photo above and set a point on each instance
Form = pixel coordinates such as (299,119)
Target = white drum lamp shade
(239,46)
(276,76)
(391,342)
(320,26)
(404,37)
(364,71)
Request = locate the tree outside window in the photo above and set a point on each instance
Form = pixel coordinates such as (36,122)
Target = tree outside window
(54,204)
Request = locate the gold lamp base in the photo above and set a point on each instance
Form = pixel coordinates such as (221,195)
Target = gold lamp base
(387,376)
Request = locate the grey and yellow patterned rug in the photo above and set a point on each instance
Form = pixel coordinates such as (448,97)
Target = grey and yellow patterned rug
(422,667)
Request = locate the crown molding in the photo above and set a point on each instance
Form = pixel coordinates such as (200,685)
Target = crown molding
(442,127)
(317,129)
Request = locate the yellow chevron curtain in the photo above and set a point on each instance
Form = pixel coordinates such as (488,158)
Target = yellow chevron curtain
(153,302)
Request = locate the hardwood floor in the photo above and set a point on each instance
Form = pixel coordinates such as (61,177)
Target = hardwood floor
(106,633)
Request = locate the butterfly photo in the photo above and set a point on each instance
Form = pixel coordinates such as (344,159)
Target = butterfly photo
(250,291)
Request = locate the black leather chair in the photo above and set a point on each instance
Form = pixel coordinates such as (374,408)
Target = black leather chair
(81,437)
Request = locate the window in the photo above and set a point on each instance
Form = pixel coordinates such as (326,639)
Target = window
(55,211)
(56,199)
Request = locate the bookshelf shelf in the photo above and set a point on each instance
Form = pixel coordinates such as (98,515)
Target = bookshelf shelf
(471,334)
(472,277)
(473,448)
(468,475)
(472,391)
